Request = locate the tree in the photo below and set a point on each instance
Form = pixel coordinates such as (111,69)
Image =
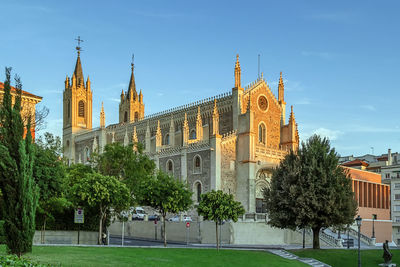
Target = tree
(103,192)
(218,206)
(123,162)
(310,189)
(20,193)
(166,194)
(49,174)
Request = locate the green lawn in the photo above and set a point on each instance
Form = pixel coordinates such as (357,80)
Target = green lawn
(343,257)
(106,256)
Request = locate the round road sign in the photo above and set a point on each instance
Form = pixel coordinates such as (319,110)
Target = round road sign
(188,224)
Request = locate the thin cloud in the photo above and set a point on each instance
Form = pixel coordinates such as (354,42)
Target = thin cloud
(324,132)
(114,99)
(368,107)
(304,101)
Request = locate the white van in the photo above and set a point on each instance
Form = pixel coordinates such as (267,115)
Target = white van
(138,213)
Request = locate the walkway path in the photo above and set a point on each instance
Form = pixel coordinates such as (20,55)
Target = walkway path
(287,255)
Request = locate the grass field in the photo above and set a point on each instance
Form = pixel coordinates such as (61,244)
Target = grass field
(111,256)
(344,258)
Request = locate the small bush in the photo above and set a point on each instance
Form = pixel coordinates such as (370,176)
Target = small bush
(13,260)
(2,237)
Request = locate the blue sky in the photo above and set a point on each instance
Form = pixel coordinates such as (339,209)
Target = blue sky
(340,59)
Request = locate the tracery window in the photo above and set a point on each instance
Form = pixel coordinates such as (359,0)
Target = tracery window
(193,135)
(170,166)
(261,133)
(125,116)
(198,191)
(166,139)
(197,164)
(81,109)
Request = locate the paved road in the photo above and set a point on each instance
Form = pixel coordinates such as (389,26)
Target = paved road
(115,240)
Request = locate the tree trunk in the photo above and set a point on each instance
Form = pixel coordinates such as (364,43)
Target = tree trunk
(101,227)
(165,234)
(316,237)
(216,231)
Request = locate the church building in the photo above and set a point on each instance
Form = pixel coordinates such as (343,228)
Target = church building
(229,141)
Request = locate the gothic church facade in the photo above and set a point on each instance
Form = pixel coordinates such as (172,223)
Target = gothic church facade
(229,142)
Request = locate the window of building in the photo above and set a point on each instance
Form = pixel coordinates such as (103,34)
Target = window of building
(170,166)
(198,192)
(261,133)
(396,196)
(193,135)
(387,175)
(81,109)
(136,116)
(166,139)
(397,208)
(197,164)
(397,185)
(125,116)
(397,219)
(87,154)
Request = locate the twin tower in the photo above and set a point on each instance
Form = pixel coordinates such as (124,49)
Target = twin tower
(77,103)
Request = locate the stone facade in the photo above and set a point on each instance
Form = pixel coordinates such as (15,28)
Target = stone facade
(229,141)
(28,104)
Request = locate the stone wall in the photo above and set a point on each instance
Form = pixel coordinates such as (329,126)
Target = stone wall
(228,166)
(66,237)
(240,233)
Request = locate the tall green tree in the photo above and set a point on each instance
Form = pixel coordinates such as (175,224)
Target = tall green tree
(129,165)
(166,194)
(103,192)
(49,174)
(218,206)
(20,193)
(310,189)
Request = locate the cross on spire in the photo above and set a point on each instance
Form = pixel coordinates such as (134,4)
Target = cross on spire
(133,59)
(79,48)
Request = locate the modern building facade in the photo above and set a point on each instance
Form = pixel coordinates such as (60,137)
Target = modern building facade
(373,198)
(391,177)
(229,142)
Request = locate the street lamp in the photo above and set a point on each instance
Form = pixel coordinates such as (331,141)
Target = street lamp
(374,216)
(358,221)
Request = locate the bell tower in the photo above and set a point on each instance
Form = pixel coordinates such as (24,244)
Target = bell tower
(77,106)
(131,107)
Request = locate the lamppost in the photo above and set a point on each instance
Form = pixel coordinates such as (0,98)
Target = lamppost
(358,221)
(374,216)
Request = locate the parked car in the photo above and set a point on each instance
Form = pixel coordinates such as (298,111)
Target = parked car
(174,219)
(138,214)
(187,218)
(154,217)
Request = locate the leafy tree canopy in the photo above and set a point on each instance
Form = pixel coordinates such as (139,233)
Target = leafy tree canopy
(310,189)
(166,194)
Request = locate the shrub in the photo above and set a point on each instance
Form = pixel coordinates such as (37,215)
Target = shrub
(13,260)
(2,237)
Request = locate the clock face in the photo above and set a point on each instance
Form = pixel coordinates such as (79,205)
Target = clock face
(262,103)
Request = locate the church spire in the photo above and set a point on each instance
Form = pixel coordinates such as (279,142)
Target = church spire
(132,94)
(78,66)
(281,89)
(237,72)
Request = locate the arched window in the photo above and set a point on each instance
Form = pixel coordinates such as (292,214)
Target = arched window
(136,116)
(69,109)
(261,133)
(81,109)
(198,192)
(170,166)
(125,116)
(166,139)
(87,154)
(193,135)
(197,164)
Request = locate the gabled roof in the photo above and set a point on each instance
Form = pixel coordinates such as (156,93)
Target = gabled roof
(356,162)
(24,93)
(357,174)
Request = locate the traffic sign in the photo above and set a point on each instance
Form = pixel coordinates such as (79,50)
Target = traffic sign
(79,216)
(187,224)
